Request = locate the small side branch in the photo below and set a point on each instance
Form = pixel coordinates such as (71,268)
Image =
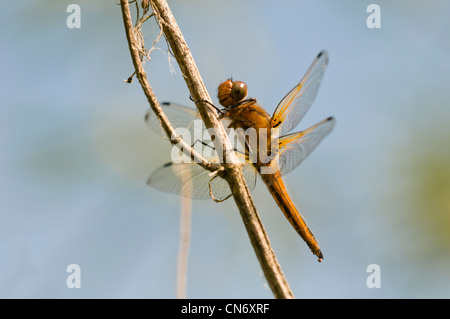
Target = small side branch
(148,91)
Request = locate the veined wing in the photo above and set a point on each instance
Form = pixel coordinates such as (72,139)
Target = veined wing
(184,119)
(296,103)
(192,181)
(186,122)
(295,147)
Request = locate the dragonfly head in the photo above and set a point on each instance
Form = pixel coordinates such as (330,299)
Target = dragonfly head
(231,92)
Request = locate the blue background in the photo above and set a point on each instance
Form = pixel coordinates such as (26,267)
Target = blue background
(76,153)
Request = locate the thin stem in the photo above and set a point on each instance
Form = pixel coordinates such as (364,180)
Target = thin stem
(148,91)
(231,172)
(233,175)
(183,250)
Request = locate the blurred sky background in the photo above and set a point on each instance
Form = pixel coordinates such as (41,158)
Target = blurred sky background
(76,153)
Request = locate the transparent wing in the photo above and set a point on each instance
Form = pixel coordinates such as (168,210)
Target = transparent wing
(192,181)
(185,120)
(296,103)
(295,147)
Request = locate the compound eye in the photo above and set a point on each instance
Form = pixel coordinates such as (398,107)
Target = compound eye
(239,90)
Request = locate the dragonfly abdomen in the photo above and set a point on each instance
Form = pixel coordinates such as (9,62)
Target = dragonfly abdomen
(276,187)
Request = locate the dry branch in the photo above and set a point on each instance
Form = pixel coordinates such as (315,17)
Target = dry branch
(231,172)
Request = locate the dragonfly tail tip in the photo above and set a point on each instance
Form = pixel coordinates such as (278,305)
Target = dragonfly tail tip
(320,255)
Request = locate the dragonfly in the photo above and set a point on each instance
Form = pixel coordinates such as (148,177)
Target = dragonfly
(273,153)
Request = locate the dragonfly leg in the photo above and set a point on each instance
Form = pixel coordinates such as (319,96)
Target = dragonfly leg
(210,104)
(215,173)
(202,142)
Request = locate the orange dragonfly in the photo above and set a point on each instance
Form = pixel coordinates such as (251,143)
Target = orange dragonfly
(271,154)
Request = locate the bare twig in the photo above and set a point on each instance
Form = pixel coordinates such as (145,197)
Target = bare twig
(231,172)
(154,104)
